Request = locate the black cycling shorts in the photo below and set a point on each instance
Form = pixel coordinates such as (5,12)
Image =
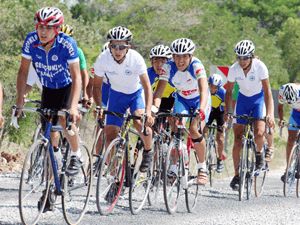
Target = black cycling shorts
(166,104)
(217,115)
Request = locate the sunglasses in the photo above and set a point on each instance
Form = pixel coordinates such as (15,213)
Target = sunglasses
(243,58)
(119,47)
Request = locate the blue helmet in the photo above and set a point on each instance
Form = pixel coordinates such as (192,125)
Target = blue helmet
(216,80)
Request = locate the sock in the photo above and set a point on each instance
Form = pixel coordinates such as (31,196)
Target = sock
(201,166)
(77,153)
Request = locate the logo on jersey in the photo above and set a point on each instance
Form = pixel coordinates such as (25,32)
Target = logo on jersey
(128,72)
(252,78)
(39,57)
(54,58)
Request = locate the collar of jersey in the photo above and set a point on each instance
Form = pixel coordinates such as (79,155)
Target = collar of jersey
(41,47)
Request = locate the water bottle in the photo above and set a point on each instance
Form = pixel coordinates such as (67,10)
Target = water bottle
(58,158)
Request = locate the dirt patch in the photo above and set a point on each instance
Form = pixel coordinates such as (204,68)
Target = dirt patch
(11,162)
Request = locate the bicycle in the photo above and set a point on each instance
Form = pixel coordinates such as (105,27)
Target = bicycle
(185,164)
(161,140)
(292,172)
(42,181)
(116,165)
(247,167)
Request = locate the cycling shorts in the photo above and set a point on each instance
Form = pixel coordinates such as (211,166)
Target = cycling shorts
(166,104)
(252,106)
(294,119)
(105,94)
(185,106)
(120,102)
(217,115)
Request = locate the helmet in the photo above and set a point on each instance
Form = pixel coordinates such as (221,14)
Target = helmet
(67,29)
(182,46)
(160,51)
(244,48)
(105,46)
(49,16)
(216,80)
(289,93)
(119,34)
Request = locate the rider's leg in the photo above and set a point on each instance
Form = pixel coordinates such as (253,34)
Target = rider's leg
(237,146)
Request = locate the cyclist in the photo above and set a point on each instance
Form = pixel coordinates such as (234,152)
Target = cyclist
(159,55)
(55,59)
(217,113)
(254,96)
(67,29)
(187,74)
(290,94)
(130,87)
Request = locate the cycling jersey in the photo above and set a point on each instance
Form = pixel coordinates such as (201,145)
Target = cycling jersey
(185,82)
(154,78)
(82,61)
(52,67)
(124,77)
(249,85)
(33,78)
(218,99)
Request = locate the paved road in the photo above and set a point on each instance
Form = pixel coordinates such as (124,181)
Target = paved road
(217,205)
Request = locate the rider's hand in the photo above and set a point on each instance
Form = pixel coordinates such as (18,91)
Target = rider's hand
(270,121)
(1,120)
(74,114)
(149,121)
(281,123)
(201,114)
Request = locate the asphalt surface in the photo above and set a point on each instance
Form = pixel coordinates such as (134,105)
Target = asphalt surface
(216,205)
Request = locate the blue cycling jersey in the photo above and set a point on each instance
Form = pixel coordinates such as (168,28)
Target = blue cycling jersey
(52,67)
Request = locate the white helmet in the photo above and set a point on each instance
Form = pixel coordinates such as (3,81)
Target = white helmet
(49,16)
(216,80)
(244,48)
(160,51)
(105,46)
(182,46)
(119,34)
(289,93)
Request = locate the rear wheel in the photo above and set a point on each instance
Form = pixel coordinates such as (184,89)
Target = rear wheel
(191,193)
(211,160)
(34,183)
(171,182)
(76,190)
(259,179)
(98,151)
(290,173)
(111,177)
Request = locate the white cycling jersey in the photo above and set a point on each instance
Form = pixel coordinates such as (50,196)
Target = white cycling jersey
(251,84)
(33,78)
(124,77)
(185,82)
(295,105)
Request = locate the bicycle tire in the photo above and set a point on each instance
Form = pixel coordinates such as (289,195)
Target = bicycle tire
(97,157)
(290,172)
(76,189)
(250,168)
(34,183)
(191,193)
(259,179)
(109,186)
(140,184)
(243,170)
(211,161)
(157,174)
(171,185)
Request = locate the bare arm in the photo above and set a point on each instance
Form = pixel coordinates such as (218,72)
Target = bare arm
(228,97)
(148,92)
(203,90)
(76,85)
(21,80)
(89,88)
(158,92)
(280,112)
(85,81)
(97,90)
(268,97)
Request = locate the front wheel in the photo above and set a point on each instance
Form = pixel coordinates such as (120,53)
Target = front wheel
(243,170)
(290,172)
(34,183)
(76,189)
(259,179)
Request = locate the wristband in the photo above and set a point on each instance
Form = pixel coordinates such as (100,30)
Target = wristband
(154,109)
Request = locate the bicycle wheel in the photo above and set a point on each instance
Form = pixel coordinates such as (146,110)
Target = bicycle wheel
(76,189)
(211,160)
(243,170)
(290,172)
(98,144)
(111,177)
(250,168)
(171,180)
(157,173)
(259,179)
(191,193)
(34,183)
